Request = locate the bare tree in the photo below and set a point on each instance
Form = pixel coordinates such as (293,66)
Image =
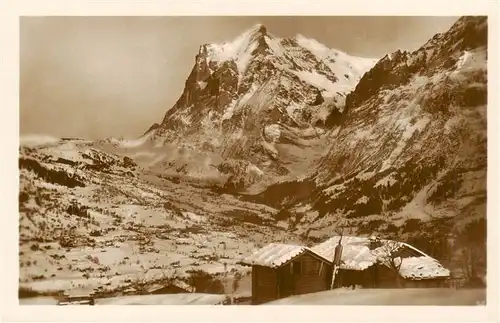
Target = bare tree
(168,278)
(139,284)
(236,281)
(387,252)
(471,244)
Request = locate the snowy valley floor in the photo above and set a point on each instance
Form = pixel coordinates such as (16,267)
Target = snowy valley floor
(123,227)
(420,296)
(409,296)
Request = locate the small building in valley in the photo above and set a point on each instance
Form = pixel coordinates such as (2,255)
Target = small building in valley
(77,297)
(159,287)
(173,287)
(281,270)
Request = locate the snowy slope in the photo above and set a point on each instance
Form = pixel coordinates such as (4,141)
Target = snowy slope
(421,120)
(387,297)
(175,299)
(95,220)
(349,72)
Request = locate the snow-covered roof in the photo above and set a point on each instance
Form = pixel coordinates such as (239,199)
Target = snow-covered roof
(355,252)
(276,254)
(176,283)
(79,292)
(422,268)
(183,285)
(356,255)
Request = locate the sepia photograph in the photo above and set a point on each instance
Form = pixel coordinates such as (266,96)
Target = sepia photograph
(253,160)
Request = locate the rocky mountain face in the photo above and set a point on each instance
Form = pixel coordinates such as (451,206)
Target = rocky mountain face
(253,108)
(408,155)
(414,133)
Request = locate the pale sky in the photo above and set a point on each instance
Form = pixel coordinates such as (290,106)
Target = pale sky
(97,77)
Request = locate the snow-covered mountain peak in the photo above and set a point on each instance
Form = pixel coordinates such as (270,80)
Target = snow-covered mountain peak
(324,52)
(300,69)
(247,96)
(240,49)
(315,47)
(295,53)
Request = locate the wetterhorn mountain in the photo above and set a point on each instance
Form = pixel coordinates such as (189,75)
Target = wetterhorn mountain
(254,107)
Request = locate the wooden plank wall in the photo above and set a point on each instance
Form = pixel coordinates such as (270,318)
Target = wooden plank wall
(379,276)
(387,278)
(424,283)
(311,280)
(265,281)
(264,284)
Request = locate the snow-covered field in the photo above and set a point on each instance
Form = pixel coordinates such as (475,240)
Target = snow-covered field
(173,299)
(384,297)
(170,299)
(124,225)
(411,296)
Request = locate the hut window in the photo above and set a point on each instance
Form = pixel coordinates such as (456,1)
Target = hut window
(297,267)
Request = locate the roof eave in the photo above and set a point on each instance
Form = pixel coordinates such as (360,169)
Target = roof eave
(426,278)
(274,266)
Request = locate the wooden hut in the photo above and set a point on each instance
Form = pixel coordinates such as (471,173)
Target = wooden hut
(281,270)
(171,288)
(365,262)
(77,297)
